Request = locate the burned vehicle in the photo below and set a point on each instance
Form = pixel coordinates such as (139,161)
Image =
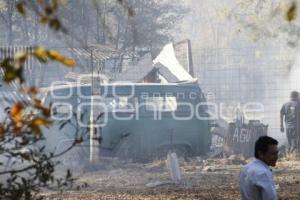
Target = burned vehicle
(132,120)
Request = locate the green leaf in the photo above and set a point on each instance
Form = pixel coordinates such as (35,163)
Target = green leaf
(54,4)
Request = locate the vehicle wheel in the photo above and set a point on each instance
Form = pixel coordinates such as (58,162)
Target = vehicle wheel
(123,151)
(75,159)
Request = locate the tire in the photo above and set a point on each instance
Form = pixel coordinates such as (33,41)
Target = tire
(124,151)
(74,159)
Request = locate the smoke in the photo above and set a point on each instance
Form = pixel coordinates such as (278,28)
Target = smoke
(242,52)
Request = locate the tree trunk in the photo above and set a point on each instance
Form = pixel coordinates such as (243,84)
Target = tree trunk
(117,44)
(36,30)
(104,24)
(25,36)
(98,23)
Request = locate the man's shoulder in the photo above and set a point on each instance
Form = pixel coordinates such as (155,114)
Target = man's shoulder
(286,104)
(289,104)
(255,167)
(255,172)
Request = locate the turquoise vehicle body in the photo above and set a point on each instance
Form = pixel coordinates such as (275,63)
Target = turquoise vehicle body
(140,120)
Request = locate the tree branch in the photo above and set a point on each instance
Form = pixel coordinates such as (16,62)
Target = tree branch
(18,170)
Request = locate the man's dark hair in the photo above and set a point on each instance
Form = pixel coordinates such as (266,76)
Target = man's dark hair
(262,144)
(294,95)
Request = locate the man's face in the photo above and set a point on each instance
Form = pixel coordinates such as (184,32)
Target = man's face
(271,156)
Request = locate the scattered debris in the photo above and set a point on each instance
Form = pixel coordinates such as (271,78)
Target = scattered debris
(158,183)
(236,160)
(173,166)
(208,169)
(127,180)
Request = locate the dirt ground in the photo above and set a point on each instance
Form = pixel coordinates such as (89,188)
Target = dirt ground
(202,179)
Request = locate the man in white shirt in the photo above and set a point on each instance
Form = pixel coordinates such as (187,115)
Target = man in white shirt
(256,179)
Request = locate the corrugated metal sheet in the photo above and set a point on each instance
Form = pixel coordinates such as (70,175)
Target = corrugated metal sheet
(165,65)
(138,71)
(168,58)
(98,52)
(183,53)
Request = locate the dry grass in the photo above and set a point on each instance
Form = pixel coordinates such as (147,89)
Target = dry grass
(128,182)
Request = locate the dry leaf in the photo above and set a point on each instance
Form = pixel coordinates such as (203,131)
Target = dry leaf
(20,8)
(36,124)
(44,19)
(46,111)
(17,111)
(41,122)
(292,12)
(21,57)
(69,62)
(54,4)
(17,128)
(36,130)
(2,131)
(41,2)
(31,91)
(41,54)
(55,55)
(55,24)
